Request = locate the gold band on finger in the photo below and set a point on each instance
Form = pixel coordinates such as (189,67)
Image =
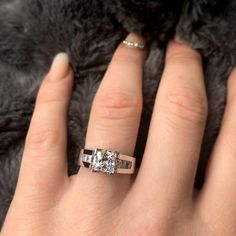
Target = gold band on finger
(132,44)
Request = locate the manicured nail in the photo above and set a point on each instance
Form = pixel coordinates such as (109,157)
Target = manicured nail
(60,67)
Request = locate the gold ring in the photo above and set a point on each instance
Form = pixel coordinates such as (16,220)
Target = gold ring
(132,44)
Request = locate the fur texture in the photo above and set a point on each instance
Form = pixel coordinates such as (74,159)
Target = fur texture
(33,31)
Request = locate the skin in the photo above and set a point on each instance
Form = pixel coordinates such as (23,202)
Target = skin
(160,199)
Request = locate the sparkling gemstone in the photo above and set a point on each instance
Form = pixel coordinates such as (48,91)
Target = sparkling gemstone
(104,161)
(86,158)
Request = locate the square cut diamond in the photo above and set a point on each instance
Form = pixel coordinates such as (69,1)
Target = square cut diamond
(104,161)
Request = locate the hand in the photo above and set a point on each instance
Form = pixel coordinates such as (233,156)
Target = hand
(159,200)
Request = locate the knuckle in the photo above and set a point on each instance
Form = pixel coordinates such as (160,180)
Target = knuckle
(118,105)
(42,140)
(185,109)
(126,59)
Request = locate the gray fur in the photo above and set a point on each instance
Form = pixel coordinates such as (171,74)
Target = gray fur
(32,32)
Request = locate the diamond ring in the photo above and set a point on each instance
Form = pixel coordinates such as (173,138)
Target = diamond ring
(105,161)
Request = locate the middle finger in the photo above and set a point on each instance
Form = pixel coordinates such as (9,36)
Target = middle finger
(115,114)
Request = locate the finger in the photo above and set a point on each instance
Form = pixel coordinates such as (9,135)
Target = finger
(218,196)
(176,129)
(44,158)
(116,110)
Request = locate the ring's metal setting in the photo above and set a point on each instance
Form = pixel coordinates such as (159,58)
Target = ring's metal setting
(132,44)
(105,161)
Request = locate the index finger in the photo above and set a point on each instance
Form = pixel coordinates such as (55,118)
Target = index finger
(44,157)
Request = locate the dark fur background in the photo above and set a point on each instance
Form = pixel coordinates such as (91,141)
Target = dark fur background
(33,31)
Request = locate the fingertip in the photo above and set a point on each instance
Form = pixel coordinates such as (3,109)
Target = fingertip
(231,85)
(180,40)
(60,67)
(232,77)
(175,45)
(182,51)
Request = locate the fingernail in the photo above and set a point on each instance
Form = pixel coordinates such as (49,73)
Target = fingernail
(60,67)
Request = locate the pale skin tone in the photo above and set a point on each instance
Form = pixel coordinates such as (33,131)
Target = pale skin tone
(160,199)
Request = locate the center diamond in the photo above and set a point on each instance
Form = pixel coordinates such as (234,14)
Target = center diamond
(104,161)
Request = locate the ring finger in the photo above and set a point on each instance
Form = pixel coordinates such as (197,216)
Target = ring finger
(176,129)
